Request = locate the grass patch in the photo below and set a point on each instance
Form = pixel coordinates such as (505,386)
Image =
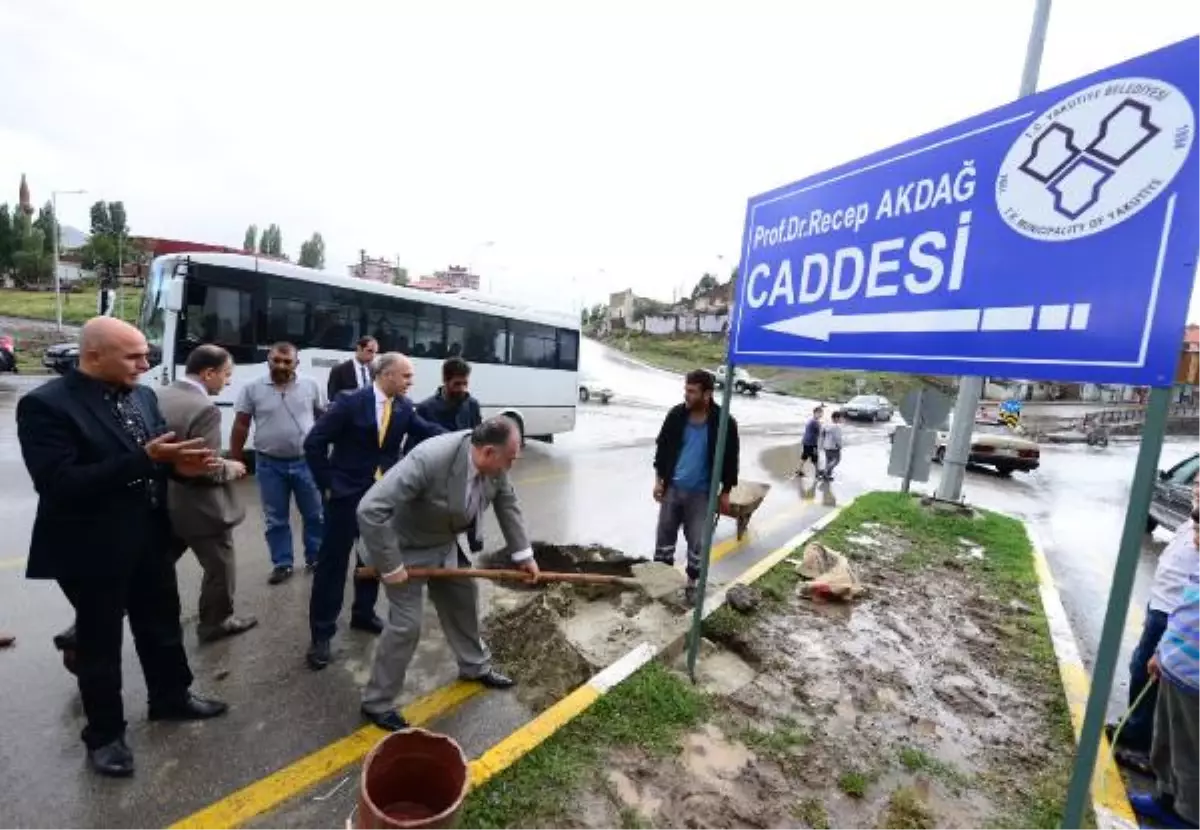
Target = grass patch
(778,744)
(651,711)
(906,810)
(631,819)
(917,760)
(725,624)
(853,783)
(811,811)
(78,307)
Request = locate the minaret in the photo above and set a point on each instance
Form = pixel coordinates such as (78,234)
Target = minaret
(25,205)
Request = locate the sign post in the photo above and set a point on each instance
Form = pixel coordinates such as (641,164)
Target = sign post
(1055,238)
(906,482)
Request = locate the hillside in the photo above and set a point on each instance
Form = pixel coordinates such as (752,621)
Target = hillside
(681,353)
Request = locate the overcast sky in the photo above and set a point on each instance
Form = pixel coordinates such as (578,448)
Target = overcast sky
(608,146)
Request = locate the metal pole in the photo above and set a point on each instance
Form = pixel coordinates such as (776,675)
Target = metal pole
(714,491)
(970,389)
(906,483)
(54,235)
(1118,604)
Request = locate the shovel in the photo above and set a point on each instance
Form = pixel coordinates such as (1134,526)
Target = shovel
(368,572)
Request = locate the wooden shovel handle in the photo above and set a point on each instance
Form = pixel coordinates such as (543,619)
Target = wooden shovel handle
(368,572)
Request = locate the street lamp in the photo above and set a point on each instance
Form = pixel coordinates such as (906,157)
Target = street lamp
(54,234)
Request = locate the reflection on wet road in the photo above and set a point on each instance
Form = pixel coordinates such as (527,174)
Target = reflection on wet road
(590,486)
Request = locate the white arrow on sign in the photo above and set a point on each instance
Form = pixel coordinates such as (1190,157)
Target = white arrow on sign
(820,325)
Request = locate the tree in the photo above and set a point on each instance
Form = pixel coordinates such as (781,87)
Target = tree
(250,243)
(706,283)
(108,247)
(47,224)
(271,241)
(6,240)
(101,223)
(31,262)
(399,276)
(312,252)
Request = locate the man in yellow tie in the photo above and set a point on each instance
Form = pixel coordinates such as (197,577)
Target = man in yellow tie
(350,447)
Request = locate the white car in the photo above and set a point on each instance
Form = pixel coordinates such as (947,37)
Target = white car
(590,388)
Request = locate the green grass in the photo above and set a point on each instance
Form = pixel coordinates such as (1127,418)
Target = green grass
(650,711)
(853,783)
(917,760)
(778,744)
(725,624)
(811,811)
(78,307)
(631,819)
(906,810)
(681,353)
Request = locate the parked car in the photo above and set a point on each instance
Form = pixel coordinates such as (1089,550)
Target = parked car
(996,445)
(743,383)
(8,354)
(868,408)
(61,357)
(1171,504)
(590,388)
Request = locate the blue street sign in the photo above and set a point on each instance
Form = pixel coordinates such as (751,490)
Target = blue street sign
(1055,238)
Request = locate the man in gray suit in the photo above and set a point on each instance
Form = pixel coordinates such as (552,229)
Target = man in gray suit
(204,510)
(412,517)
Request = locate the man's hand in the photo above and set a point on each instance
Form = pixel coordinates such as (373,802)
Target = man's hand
(660,490)
(530,566)
(396,577)
(723,504)
(1153,668)
(166,450)
(235,469)
(191,466)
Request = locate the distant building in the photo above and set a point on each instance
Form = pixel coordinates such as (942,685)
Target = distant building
(454,278)
(621,306)
(375,270)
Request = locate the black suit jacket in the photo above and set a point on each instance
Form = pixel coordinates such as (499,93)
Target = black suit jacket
(343,378)
(350,429)
(93,516)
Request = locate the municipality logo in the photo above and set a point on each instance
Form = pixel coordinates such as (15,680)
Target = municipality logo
(1095,159)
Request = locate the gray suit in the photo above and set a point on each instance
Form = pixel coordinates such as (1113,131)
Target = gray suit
(203,510)
(412,517)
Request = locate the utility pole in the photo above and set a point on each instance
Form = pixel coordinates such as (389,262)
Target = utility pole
(970,388)
(55,241)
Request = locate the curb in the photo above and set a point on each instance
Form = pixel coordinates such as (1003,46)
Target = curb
(1109,800)
(508,751)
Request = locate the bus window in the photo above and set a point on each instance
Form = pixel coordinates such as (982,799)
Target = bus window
(220,315)
(477,338)
(152,317)
(392,323)
(429,338)
(287,319)
(533,345)
(568,350)
(335,326)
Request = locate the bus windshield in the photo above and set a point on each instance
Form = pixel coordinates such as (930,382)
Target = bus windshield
(152,318)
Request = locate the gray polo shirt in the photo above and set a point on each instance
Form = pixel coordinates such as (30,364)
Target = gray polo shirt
(282,416)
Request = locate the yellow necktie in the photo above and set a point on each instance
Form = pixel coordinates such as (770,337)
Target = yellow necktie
(383,428)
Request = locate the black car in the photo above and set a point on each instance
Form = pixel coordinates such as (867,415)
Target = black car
(1171,503)
(61,357)
(868,408)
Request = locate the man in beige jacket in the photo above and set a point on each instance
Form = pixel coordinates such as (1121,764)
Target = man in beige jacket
(205,510)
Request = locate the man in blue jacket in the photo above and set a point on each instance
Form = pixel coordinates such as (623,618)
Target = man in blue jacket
(454,408)
(349,448)
(812,437)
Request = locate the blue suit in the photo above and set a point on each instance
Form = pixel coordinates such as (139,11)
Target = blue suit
(343,451)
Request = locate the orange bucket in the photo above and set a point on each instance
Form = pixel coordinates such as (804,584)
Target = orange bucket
(412,778)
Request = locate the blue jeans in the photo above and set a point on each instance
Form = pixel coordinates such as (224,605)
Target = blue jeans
(278,481)
(1140,727)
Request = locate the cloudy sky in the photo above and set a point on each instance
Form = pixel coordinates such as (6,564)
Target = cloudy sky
(595,145)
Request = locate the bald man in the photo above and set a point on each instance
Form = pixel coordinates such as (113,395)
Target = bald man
(348,450)
(97,449)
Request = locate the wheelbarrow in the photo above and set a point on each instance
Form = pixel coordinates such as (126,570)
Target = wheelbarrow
(744,499)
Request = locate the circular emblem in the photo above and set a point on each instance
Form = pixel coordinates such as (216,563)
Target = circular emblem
(1095,159)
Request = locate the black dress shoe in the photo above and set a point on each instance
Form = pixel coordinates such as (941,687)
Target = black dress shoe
(189,707)
(229,628)
(494,680)
(281,574)
(371,625)
(319,655)
(113,759)
(391,720)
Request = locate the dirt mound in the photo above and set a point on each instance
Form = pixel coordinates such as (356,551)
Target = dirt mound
(596,559)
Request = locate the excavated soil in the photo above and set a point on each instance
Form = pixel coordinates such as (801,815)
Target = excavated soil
(908,707)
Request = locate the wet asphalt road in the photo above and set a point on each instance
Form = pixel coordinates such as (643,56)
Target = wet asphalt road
(590,486)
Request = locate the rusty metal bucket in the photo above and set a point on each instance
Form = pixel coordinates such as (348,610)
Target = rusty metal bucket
(412,779)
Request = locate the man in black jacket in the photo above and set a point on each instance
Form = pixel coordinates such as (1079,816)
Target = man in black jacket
(354,373)
(683,464)
(454,408)
(98,452)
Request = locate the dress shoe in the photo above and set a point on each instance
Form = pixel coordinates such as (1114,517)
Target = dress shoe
(231,626)
(476,545)
(319,655)
(494,680)
(391,720)
(371,625)
(189,707)
(114,759)
(280,574)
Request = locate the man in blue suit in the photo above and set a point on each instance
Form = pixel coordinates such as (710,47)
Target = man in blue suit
(352,445)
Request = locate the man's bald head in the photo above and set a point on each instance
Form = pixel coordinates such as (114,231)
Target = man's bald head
(393,372)
(112,351)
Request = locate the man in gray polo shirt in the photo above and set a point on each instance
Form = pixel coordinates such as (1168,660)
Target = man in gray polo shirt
(283,407)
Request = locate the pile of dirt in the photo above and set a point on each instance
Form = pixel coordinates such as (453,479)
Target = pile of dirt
(596,559)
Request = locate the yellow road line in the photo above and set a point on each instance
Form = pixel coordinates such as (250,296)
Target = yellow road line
(267,793)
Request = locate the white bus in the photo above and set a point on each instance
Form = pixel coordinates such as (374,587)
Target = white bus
(524,362)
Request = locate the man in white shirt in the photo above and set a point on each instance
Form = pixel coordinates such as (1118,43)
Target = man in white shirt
(412,517)
(1177,564)
(831,443)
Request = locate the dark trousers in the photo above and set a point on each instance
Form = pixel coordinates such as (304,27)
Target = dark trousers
(329,581)
(150,595)
(1140,726)
(687,509)
(214,552)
